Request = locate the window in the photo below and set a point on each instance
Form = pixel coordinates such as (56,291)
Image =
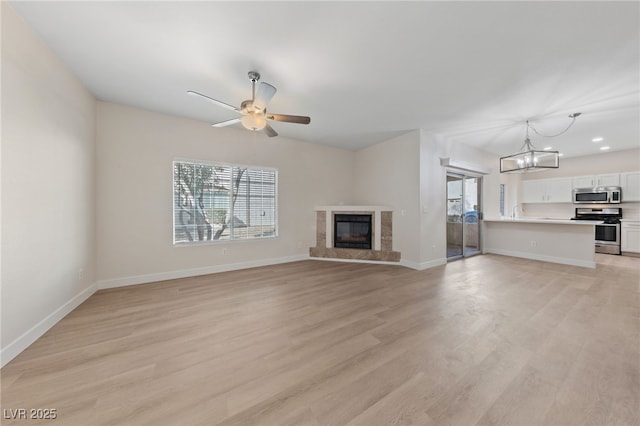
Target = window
(222,202)
(501,207)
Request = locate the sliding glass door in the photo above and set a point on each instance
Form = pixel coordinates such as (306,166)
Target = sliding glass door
(463,214)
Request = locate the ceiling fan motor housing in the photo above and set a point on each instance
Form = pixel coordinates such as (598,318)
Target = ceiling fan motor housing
(254,76)
(247,107)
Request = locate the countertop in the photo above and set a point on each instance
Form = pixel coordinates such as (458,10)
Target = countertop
(544,220)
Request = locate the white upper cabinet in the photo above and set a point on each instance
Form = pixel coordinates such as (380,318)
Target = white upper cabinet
(630,183)
(610,179)
(583,182)
(534,191)
(546,190)
(559,191)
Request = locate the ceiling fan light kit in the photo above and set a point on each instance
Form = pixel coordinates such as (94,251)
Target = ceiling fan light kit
(253,121)
(530,159)
(254,111)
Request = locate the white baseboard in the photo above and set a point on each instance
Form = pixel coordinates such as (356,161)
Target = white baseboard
(184,273)
(421,266)
(34,333)
(552,259)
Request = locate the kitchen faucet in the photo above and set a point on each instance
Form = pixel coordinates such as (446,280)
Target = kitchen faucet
(513,211)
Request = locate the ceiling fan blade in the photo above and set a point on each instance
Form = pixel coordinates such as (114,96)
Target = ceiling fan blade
(226,123)
(215,101)
(289,118)
(269,131)
(263,95)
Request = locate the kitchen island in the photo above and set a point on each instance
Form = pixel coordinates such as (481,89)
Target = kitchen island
(570,242)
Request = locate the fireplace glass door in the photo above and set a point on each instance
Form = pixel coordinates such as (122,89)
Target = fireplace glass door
(352,231)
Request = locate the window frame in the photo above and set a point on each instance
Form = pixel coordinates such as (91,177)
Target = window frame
(231,166)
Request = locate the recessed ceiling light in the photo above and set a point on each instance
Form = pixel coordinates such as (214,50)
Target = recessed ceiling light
(604,148)
(547,148)
(598,139)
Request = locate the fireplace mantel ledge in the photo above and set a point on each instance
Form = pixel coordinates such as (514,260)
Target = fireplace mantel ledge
(354,208)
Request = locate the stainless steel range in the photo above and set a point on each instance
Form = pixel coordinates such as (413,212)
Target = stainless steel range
(608,232)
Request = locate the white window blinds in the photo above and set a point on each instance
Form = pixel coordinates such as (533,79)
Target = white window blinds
(223,202)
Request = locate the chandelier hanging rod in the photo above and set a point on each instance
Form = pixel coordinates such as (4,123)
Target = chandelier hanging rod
(571,116)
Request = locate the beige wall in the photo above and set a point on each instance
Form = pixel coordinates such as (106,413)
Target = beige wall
(47,187)
(387,174)
(135,150)
(432,199)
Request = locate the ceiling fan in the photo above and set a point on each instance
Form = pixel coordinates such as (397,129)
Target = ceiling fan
(254,111)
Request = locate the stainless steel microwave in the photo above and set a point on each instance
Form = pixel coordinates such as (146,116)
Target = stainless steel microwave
(599,195)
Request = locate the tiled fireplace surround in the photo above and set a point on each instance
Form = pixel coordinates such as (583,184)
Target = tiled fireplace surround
(382,235)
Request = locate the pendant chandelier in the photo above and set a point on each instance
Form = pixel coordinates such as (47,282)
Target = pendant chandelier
(530,159)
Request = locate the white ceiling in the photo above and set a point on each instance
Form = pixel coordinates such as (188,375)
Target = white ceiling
(470,72)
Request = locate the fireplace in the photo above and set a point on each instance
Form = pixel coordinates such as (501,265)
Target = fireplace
(352,231)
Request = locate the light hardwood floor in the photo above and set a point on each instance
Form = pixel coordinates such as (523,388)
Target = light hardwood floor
(488,340)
